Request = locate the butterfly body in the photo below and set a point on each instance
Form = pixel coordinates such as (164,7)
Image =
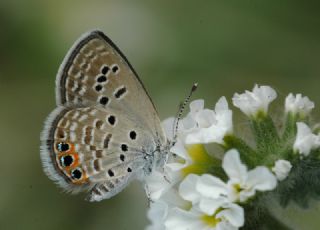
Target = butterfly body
(105,130)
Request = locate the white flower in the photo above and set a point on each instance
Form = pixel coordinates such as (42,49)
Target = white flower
(298,104)
(185,159)
(157,214)
(231,217)
(207,212)
(199,126)
(242,183)
(282,169)
(159,209)
(203,125)
(305,139)
(180,150)
(158,183)
(245,183)
(253,102)
(211,126)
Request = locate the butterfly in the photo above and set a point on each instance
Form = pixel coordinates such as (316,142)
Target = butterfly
(105,130)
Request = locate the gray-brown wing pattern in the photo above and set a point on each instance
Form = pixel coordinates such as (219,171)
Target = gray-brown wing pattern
(105,126)
(95,72)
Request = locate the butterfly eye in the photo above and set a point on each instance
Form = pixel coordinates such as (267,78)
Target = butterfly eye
(76,174)
(66,160)
(63,147)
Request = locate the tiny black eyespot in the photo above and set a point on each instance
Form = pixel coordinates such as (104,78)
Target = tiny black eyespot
(112,120)
(62,147)
(133,135)
(124,147)
(102,78)
(120,92)
(105,70)
(104,100)
(122,157)
(98,87)
(115,68)
(66,160)
(129,169)
(111,173)
(76,174)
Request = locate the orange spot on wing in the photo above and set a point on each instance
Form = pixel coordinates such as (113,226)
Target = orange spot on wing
(76,163)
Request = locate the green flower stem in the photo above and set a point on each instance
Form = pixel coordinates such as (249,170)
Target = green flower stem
(290,129)
(266,135)
(247,154)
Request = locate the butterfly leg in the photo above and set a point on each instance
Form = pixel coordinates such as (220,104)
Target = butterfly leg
(146,188)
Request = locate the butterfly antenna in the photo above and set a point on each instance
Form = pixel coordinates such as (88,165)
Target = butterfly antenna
(180,112)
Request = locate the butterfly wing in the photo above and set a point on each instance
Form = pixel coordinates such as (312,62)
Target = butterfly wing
(95,72)
(105,125)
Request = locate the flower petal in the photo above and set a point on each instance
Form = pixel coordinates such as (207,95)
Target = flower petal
(210,206)
(211,186)
(157,185)
(221,105)
(282,169)
(233,213)
(179,149)
(298,104)
(261,179)
(206,135)
(179,219)
(157,214)
(187,189)
(195,107)
(252,102)
(212,126)
(205,118)
(232,165)
(305,139)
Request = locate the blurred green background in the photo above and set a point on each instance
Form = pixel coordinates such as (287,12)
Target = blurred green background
(225,46)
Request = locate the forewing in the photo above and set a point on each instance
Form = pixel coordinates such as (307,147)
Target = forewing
(95,72)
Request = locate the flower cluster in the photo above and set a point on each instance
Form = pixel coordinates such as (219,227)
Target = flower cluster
(224,188)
